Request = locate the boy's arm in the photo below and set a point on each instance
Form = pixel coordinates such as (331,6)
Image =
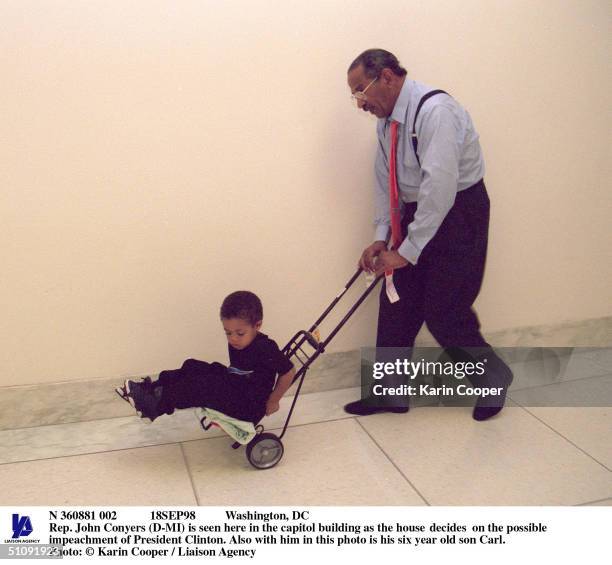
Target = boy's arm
(283,384)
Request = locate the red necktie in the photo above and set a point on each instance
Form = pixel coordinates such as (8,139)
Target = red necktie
(394,208)
(394,211)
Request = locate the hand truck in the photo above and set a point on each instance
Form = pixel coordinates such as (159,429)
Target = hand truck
(266,449)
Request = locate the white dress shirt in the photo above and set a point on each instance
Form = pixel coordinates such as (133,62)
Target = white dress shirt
(451,161)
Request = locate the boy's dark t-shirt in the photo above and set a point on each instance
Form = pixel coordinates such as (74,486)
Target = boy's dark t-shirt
(257,366)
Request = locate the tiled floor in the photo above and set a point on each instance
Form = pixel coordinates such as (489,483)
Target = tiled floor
(429,456)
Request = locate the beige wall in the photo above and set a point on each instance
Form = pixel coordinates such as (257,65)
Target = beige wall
(156,155)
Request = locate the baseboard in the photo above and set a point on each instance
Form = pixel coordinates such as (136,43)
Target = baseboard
(66,402)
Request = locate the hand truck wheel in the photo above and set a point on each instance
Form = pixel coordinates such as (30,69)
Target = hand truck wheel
(264,451)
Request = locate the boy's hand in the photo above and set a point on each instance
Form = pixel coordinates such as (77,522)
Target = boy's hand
(272,406)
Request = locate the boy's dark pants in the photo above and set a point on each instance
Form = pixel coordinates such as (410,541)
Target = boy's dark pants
(442,287)
(210,385)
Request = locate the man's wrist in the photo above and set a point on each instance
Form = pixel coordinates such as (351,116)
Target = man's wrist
(409,252)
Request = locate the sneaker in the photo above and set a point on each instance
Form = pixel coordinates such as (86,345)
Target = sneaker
(367,407)
(144,397)
(120,390)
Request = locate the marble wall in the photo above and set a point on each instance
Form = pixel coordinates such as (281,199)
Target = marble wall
(88,400)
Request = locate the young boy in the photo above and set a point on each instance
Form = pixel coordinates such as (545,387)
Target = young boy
(244,391)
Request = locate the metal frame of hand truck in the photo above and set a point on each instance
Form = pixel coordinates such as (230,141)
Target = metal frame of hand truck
(266,449)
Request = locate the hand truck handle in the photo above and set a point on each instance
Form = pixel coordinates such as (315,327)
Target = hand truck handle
(363,296)
(340,295)
(320,347)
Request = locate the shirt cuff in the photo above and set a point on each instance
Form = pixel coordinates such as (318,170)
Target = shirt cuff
(381,233)
(409,252)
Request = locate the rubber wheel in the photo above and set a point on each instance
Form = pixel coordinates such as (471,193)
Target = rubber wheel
(264,451)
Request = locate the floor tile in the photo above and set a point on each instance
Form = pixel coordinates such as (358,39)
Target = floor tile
(588,428)
(333,463)
(152,476)
(606,502)
(313,407)
(96,436)
(512,459)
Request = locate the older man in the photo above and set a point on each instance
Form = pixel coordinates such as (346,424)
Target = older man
(431,220)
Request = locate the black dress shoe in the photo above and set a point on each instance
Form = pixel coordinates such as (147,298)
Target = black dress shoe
(500,376)
(482,413)
(365,408)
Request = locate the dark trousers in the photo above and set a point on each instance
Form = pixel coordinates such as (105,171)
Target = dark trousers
(441,289)
(200,384)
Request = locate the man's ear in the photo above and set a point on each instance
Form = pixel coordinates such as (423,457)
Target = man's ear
(387,76)
(257,325)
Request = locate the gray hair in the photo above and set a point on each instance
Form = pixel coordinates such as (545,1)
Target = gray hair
(375,60)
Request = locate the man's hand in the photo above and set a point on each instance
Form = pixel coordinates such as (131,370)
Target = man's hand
(369,255)
(388,260)
(272,406)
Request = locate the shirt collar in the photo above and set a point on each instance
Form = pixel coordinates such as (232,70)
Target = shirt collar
(401,104)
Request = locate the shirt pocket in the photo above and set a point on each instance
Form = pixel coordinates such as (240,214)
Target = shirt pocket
(408,170)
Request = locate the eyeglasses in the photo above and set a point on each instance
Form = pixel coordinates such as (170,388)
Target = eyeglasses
(360,95)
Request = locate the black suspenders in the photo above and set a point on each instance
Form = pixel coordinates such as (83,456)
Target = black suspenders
(426,97)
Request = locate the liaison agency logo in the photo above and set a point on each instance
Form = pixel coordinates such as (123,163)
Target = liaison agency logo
(21,526)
